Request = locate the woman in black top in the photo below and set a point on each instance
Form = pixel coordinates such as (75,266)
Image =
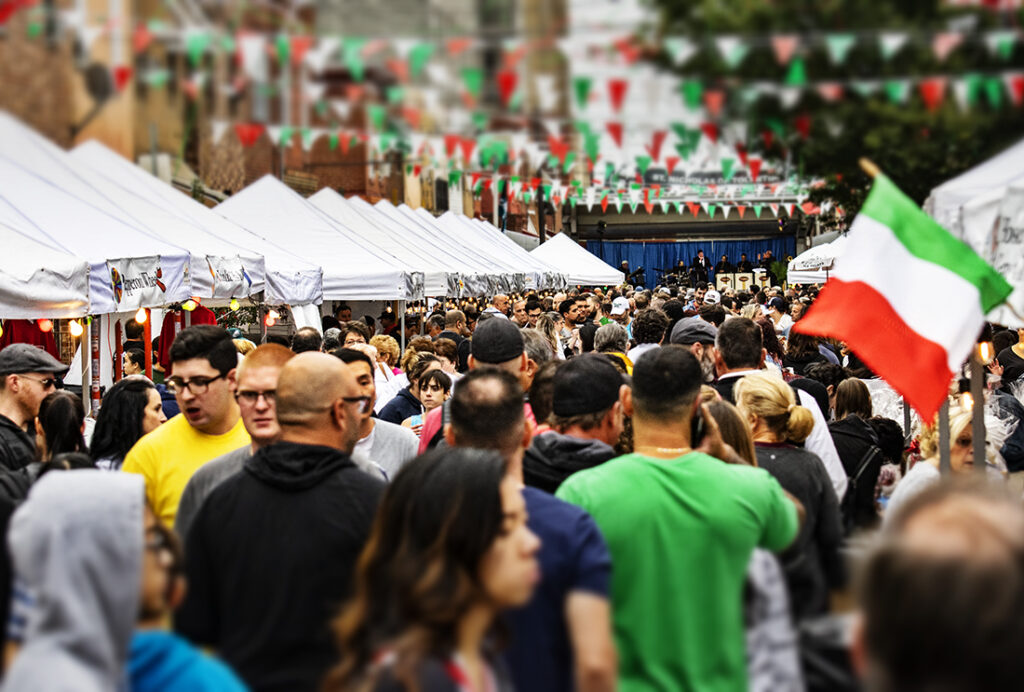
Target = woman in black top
(448,552)
(812,564)
(857,445)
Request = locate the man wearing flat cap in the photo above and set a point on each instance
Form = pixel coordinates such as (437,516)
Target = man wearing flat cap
(586,422)
(698,336)
(27,375)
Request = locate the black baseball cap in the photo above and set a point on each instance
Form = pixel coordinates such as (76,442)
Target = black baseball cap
(19,358)
(585,384)
(497,341)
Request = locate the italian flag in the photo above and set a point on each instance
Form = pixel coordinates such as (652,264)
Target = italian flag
(907,297)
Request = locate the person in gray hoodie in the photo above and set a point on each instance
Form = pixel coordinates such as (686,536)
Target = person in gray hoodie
(586,422)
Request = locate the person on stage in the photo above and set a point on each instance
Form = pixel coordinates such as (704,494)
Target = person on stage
(724,266)
(744,264)
(700,266)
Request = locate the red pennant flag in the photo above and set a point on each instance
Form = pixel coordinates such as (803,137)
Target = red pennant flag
(714,99)
(416,170)
(507,80)
(657,139)
(657,190)
(648,204)
(559,148)
(534,183)
(141,38)
(450,142)
(345,141)
(810,208)
(710,130)
(693,207)
(400,68)
(1015,85)
(639,179)
(932,92)
(830,91)
(412,116)
(604,204)
(458,45)
(755,168)
(617,93)
(768,138)
(473,180)
(300,46)
(615,130)
(467,145)
(122,74)
(487,184)
(248,133)
(630,51)
(354,92)
(741,209)
(512,58)
(741,151)
(802,123)
(670,163)
(8,8)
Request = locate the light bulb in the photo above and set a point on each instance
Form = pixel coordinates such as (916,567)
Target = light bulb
(234,305)
(189,305)
(141,316)
(273,314)
(270,320)
(75,327)
(1,330)
(45,325)
(966,401)
(986,352)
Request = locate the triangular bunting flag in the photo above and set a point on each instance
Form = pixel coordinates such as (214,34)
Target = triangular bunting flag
(838,46)
(891,43)
(784,45)
(617,92)
(615,130)
(733,50)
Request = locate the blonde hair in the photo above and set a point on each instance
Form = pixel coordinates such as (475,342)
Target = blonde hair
(773,401)
(959,420)
(708,394)
(734,430)
(751,311)
(387,347)
(244,346)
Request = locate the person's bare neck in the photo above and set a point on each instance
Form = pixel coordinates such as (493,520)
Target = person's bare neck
(472,629)
(225,424)
(655,438)
(10,408)
(311,436)
(366,428)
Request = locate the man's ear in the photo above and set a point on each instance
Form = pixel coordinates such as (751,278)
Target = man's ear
(720,366)
(626,397)
(764,355)
(176,593)
(232,378)
(449,435)
(471,362)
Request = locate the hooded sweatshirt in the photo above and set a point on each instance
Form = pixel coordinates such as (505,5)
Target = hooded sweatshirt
(403,405)
(78,541)
(553,457)
(269,561)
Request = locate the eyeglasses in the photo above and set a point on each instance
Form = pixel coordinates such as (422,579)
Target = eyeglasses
(251,397)
(197,385)
(46,382)
(964,442)
(364,402)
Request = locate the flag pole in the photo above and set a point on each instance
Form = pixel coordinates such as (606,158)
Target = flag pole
(869,167)
(978,410)
(944,448)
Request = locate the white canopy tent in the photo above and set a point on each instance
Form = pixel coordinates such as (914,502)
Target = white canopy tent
(986,180)
(289,278)
(479,274)
(128,268)
(547,275)
(217,269)
(1003,247)
(812,266)
(440,278)
(512,278)
(352,270)
(37,280)
(580,266)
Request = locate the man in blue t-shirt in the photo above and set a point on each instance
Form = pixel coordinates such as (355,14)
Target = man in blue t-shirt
(562,639)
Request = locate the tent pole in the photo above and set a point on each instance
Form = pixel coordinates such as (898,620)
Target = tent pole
(978,410)
(401,324)
(944,464)
(86,370)
(94,344)
(147,345)
(118,353)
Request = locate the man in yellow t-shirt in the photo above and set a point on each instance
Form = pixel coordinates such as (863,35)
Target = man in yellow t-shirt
(203,361)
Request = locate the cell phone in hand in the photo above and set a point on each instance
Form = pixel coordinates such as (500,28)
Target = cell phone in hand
(696,429)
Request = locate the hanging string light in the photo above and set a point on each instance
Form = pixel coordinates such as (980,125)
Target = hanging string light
(75,327)
(45,325)
(141,316)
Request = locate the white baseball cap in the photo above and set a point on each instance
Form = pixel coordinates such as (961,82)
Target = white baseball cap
(620,305)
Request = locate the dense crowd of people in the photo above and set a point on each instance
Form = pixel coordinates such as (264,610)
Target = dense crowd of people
(590,490)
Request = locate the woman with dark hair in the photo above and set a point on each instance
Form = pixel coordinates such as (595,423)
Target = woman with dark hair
(406,402)
(449,551)
(59,425)
(801,351)
(857,445)
(433,389)
(131,408)
(770,341)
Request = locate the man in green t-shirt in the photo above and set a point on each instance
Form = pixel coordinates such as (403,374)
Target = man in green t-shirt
(681,526)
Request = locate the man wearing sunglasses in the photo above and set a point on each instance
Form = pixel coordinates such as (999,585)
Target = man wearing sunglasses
(27,375)
(203,361)
(271,552)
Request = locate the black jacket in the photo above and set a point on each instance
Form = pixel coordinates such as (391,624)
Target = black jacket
(270,558)
(402,406)
(17,448)
(463,345)
(854,438)
(553,457)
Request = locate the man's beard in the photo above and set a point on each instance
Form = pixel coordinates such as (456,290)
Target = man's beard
(707,367)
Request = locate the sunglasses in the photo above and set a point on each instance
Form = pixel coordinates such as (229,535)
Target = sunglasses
(46,382)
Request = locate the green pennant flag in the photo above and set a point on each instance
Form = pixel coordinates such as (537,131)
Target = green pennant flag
(897,90)
(711,210)
(473,78)
(776,126)
(418,57)
(387,139)
(592,145)
(307,137)
(609,171)
(678,207)
(157,78)
(227,43)
(570,158)
(454,177)
(195,46)
(377,114)
(408,169)
(547,191)
(571,200)
(480,120)
(395,94)
(583,127)
(332,141)
(527,196)
(994,91)
(352,56)
(692,91)
(797,75)
(34,30)
(728,166)
(757,210)
(746,190)
(321,108)
(839,46)
(284,48)
(581,85)
(973,84)
(286,135)
(749,95)
(643,163)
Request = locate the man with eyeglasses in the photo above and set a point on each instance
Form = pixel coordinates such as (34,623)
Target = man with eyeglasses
(203,362)
(27,375)
(271,553)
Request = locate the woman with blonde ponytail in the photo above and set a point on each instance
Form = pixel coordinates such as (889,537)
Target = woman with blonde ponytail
(779,425)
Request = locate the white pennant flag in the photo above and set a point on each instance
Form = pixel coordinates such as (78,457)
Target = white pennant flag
(618,204)
(253,49)
(995,39)
(341,108)
(431,99)
(217,130)
(553,126)
(274,133)
(313,91)
(547,95)
(589,197)
(404,46)
(664,205)
(960,90)
(789,96)
(310,135)
(891,42)
(318,58)
(681,49)
(439,74)
(89,34)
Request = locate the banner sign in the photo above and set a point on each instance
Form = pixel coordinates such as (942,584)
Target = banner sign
(230,279)
(137,282)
